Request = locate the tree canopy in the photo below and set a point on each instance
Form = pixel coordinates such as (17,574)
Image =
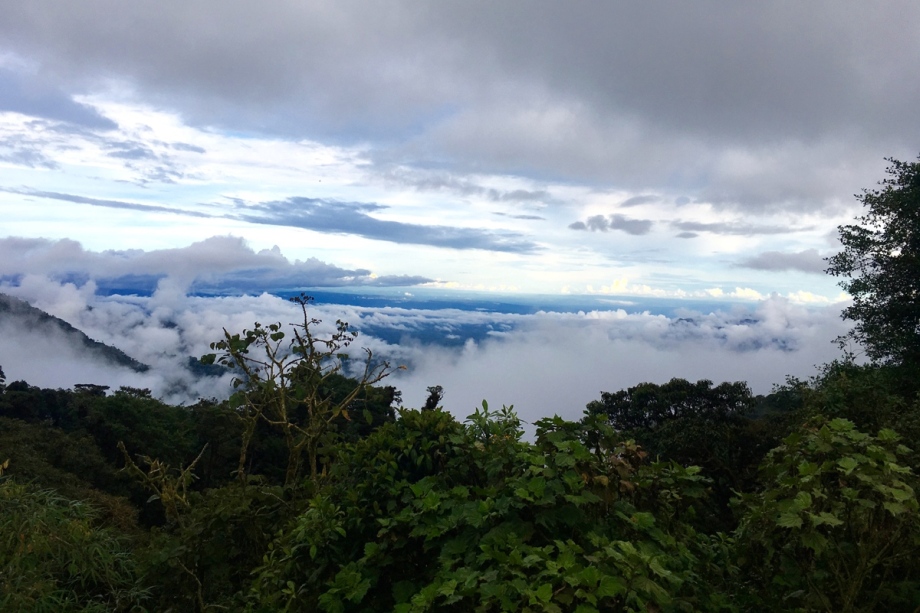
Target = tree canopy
(880,266)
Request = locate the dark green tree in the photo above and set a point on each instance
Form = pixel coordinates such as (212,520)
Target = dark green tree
(880,267)
(435,395)
(692,424)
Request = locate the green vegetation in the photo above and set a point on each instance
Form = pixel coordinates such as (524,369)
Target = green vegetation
(880,261)
(310,491)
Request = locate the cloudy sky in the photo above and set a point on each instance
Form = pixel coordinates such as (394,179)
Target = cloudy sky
(655,147)
(676,149)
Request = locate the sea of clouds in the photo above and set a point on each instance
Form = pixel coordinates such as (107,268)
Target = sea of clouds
(544,363)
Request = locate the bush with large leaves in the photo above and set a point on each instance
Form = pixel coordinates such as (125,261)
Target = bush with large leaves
(837,526)
(431,515)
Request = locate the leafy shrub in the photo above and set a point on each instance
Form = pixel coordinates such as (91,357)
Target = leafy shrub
(837,526)
(431,515)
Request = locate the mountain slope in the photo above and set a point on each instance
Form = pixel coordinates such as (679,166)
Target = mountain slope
(18,314)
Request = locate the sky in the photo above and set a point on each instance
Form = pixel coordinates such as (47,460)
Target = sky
(655,149)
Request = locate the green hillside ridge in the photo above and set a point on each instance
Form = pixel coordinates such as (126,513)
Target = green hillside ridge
(23,315)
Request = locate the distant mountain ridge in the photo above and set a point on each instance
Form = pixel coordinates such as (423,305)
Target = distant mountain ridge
(24,314)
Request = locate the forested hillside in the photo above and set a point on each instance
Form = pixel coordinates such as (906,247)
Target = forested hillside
(311,491)
(23,314)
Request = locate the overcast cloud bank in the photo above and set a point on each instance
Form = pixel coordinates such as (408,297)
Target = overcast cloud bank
(462,141)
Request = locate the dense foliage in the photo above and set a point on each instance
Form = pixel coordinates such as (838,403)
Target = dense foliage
(715,500)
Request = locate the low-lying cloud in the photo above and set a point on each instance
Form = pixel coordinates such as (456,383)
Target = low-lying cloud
(545,363)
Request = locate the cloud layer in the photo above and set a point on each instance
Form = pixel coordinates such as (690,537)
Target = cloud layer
(767,105)
(220,264)
(545,363)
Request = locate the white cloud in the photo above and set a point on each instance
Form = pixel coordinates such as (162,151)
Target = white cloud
(746,293)
(549,362)
(219,263)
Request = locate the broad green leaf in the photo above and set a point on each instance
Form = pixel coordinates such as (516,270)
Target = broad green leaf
(642,520)
(847,464)
(829,519)
(789,520)
(808,468)
(887,434)
(545,592)
(895,508)
(802,500)
(448,588)
(610,587)
(814,541)
(589,576)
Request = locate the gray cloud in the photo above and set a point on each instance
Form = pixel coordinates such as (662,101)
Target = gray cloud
(131,151)
(757,107)
(36,98)
(732,228)
(630,226)
(147,163)
(520,195)
(804,261)
(326,216)
(25,154)
(524,217)
(45,143)
(426,180)
(187,147)
(220,264)
(161,174)
(353,218)
(111,204)
(639,200)
(599,223)
(729,73)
